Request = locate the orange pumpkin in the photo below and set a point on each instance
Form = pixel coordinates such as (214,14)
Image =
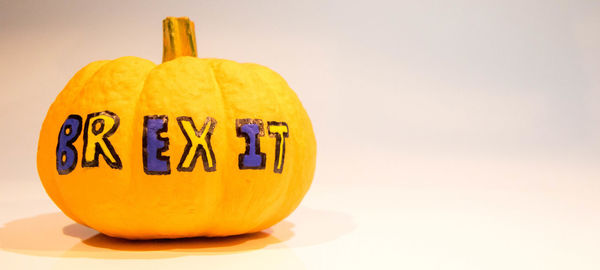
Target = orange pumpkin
(189,147)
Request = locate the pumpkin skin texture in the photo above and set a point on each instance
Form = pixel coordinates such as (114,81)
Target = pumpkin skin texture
(130,203)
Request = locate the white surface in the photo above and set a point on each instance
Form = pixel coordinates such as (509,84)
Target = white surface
(439,214)
(451,134)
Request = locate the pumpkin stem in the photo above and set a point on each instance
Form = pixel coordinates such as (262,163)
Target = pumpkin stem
(179,38)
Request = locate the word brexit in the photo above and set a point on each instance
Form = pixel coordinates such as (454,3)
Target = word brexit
(99,126)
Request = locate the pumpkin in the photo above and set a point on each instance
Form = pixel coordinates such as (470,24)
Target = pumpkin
(189,147)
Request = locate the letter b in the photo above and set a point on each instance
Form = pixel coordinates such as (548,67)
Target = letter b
(66,154)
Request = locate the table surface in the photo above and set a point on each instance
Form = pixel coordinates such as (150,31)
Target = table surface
(412,213)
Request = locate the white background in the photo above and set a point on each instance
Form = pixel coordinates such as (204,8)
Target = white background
(451,134)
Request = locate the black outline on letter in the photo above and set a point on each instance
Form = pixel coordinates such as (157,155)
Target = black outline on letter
(199,150)
(159,151)
(261,132)
(68,144)
(94,163)
(277,143)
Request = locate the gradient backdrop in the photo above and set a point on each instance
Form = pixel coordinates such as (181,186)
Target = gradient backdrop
(451,134)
